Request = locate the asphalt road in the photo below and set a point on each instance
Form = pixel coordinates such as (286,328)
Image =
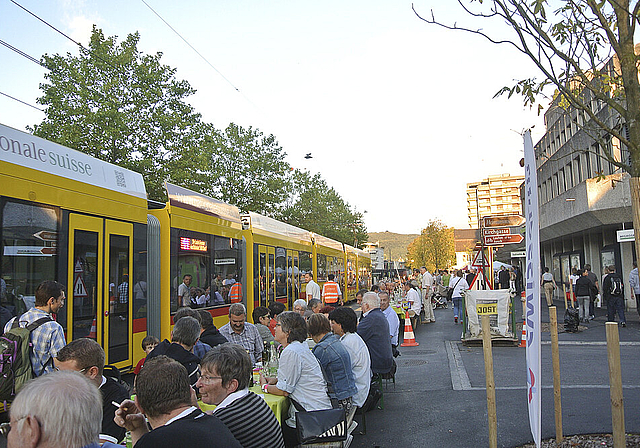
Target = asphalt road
(439,398)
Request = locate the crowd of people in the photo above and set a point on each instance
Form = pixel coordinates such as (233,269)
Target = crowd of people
(328,360)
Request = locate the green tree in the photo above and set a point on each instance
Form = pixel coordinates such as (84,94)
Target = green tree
(434,248)
(122,106)
(585,50)
(316,207)
(243,167)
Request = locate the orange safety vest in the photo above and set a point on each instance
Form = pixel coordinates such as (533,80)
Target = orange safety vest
(235,293)
(330,292)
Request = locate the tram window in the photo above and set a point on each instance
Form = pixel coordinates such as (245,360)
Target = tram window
(119,302)
(29,241)
(228,264)
(190,255)
(281,273)
(322,267)
(83,292)
(140,270)
(263,279)
(271,278)
(305,263)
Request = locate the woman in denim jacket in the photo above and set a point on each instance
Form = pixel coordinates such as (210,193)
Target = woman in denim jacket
(334,360)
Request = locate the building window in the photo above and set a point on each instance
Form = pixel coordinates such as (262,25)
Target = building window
(569,176)
(562,186)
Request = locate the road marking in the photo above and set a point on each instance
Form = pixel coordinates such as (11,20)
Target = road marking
(459,377)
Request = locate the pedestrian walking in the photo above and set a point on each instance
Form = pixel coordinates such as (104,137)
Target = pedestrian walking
(634,281)
(549,285)
(613,290)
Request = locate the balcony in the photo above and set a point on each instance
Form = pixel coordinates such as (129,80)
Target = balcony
(588,205)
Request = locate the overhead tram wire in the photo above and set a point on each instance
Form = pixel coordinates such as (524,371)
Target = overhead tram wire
(191,46)
(202,57)
(21,53)
(20,101)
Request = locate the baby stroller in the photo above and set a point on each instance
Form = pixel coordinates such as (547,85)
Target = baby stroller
(439,297)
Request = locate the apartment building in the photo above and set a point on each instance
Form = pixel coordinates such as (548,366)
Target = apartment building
(496,196)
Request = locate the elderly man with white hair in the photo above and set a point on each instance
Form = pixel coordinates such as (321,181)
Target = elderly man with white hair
(60,409)
(374,331)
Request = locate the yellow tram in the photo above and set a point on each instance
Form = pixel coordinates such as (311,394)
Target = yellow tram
(76,219)
(128,264)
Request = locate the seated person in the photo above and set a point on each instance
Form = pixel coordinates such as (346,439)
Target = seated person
(210,334)
(314,305)
(326,310)
(226,370)
(163,395)
(87,357)
(33,424)
(374,331)
(344,323)
(299,373)
(275,308)
(183,337)
(334,360)
(201,347)
(261,320)
(215,298)
(300,307)
(148,344)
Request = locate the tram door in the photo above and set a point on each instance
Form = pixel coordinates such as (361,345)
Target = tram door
(99,295)
(267,283)
(293,277)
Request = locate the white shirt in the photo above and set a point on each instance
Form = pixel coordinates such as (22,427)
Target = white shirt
(231,398)
(360,364)
(300,375)
(427,280)
(394,324)
(414,299)
(313,290)
(458,286)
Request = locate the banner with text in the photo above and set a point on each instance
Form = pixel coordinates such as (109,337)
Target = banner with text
(532,289)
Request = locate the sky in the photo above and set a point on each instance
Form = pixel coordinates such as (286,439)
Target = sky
(397,114)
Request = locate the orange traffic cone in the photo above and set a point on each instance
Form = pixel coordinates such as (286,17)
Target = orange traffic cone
(409,338)
(523,339)
(93,333)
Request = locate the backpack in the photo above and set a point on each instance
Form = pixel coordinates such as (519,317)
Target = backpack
(15,364)
(616,286)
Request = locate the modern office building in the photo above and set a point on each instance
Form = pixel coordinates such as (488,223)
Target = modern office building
(497,195)
(584,200)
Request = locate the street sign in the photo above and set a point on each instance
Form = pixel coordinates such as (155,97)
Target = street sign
(625,235)
(497,240)
(46,235)
(79,289)
(496,231)
(519,254)
(477,260)
(503,221)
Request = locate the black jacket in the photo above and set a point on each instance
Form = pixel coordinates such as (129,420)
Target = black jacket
(184,357)
(583,286)
(212,337)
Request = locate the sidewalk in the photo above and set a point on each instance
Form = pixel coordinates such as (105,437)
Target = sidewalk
(594,331)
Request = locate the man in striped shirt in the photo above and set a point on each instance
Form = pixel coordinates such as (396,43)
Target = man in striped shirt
(239,331)
(226,370)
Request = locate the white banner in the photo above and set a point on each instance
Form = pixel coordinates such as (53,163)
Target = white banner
(532,288)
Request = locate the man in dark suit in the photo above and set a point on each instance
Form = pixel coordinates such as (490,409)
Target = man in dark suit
(374,331)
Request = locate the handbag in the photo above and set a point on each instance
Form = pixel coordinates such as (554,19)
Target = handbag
(326,425)
(450,290)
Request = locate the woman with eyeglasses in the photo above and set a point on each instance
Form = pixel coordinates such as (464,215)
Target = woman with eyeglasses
(299,373)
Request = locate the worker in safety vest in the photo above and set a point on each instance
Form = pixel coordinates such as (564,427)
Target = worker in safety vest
(235,293)
(331,294)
